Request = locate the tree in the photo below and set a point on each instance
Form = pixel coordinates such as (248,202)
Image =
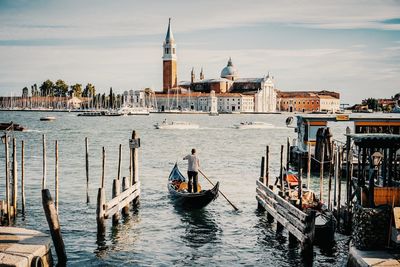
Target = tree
(25,92)
(111,98)
(46,89)
(372,103)
(89,90)
(76,90)
(60,88)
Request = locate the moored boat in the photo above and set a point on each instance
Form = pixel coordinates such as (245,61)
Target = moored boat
(177,187)
(10,126)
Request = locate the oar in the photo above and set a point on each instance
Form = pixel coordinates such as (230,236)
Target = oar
(219,191)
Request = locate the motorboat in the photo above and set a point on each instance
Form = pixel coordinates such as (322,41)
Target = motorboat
(176,125)
(48,118)
(253,125)
(127,110)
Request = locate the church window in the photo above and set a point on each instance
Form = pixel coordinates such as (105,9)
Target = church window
(173,50)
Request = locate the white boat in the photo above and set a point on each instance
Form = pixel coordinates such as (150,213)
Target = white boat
(253,125)
(126,110)
(176,125)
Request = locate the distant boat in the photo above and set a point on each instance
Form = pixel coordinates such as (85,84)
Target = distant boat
(10,126)
(177,187)
(253,125)
(48,118)
(126,110)
(99,113)
(176,125)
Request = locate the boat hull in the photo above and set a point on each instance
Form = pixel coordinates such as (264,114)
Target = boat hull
(186,200)
(325,227)
(191,201)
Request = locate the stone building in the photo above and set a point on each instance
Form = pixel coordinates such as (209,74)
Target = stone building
(308,101)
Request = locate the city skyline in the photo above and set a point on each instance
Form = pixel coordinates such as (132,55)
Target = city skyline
(350,47)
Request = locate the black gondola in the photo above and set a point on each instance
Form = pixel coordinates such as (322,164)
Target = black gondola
(182,198)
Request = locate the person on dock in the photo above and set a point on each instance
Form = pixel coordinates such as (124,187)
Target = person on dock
(193,170)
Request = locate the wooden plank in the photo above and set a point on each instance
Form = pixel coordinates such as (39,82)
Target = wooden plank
(282,211)
(292,209)
(123,195)
(291,228)
(109,211)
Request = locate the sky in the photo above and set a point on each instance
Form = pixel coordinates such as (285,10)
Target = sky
(352,47)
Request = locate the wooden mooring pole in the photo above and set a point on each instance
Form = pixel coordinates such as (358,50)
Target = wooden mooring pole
(321,174)
(7,179)
(44,162)
(135,157)
(23,176)
(119,162)
(54,225)
(15,179)
(125,186)
(309,166)
(87,168)
(103,168)
(116,190)
(56,175)
(266,180)
(281,171)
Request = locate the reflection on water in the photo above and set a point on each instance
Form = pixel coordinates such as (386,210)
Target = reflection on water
(199,228)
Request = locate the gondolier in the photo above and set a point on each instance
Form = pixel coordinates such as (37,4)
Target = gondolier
(193,169)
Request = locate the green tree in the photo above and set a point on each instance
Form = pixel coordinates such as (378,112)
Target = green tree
(60,88)
(89,90)
(46,89)
(76,90)
(372,103)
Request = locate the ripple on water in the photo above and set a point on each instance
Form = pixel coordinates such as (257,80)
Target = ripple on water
(158,234)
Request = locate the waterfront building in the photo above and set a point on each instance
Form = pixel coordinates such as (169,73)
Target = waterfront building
(231,92)
(308,101)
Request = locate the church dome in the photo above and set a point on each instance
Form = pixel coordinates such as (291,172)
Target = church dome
(229,72)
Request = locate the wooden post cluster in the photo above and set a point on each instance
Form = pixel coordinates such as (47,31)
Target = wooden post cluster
(120,201)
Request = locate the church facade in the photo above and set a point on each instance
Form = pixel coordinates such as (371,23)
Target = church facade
(229,92)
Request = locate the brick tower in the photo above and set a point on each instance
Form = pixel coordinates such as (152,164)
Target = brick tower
(170,77)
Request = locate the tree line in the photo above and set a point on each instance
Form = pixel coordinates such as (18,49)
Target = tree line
(61,89)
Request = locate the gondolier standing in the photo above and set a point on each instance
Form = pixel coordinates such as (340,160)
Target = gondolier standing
(193,168)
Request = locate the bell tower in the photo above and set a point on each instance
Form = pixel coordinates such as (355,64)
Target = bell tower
(170,77)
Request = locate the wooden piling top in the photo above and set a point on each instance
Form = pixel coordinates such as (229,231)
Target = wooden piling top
(19,246)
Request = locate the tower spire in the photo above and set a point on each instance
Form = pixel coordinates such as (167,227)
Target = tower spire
(169,37)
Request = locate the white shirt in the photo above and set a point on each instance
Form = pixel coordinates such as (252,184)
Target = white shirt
(193,163)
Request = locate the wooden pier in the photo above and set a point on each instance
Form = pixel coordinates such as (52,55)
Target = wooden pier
(23,247)
(120,202)
(299,224)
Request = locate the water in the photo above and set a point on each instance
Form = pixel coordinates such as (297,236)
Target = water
(158,234)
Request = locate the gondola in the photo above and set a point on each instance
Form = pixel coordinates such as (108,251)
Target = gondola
(177,187)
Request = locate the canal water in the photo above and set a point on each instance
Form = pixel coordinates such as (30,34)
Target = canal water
(158,234)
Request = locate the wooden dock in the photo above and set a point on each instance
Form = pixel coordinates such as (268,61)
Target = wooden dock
(23,247)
